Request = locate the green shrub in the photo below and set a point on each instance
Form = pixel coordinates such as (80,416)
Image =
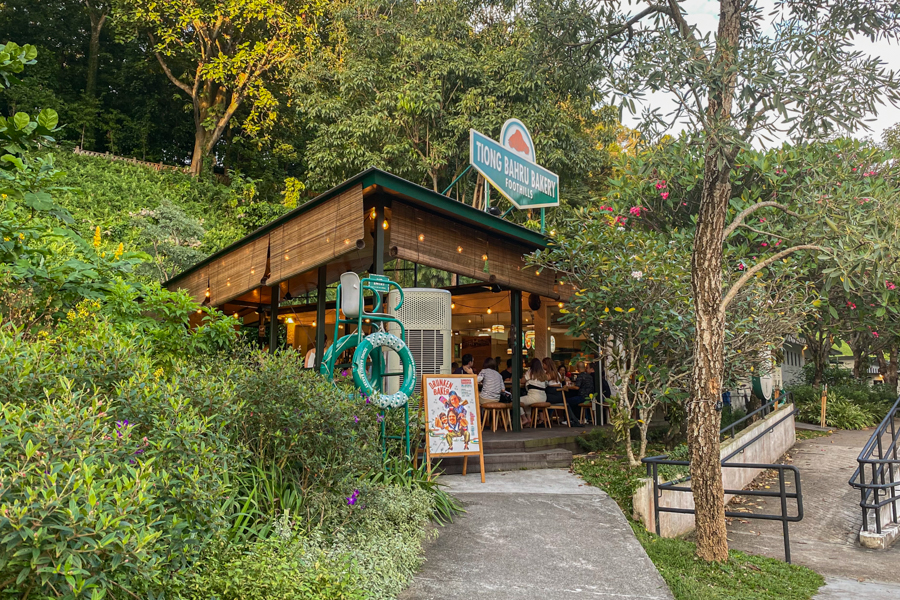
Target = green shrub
(272,569)
(840,413)
(400,472)
(598,440)
(324,437)
(78,508)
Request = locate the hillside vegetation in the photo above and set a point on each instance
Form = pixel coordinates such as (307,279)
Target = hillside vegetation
(122,199)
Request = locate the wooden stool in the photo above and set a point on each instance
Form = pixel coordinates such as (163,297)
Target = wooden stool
(588,406)
(536,409)
(565,414)
(495,409)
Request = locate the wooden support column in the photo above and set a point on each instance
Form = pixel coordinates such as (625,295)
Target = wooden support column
(378,250)
(541,330)
(321,294)
(515,308)
(273,318)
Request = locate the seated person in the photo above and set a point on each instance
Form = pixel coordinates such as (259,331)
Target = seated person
(555,392)
(468,361)
(506,373)
(490,382)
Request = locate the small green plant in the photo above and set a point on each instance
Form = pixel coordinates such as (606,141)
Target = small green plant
(401,473)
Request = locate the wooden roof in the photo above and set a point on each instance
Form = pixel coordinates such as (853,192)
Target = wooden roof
(336,230)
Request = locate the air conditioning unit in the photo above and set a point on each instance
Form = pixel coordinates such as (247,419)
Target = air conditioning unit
(427,317)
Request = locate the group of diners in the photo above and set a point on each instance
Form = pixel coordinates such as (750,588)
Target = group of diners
(543,381)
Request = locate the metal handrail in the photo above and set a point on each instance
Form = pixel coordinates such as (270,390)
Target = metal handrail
(876,484)
(787,398)
(653,463)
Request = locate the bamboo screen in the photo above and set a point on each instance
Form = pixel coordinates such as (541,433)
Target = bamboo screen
(438,242)
(195,283)
(311,239)
(238,272)
(317,236)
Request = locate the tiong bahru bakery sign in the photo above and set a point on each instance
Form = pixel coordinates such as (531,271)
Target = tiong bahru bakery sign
(509,165)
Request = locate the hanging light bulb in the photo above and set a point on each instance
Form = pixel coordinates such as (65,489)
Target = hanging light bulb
(490,311)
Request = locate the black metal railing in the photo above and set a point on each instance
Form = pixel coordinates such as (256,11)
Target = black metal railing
(653,463)
(763,411)
(877,475)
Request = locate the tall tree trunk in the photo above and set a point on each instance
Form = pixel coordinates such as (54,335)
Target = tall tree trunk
(199,151)
(860,349)
(709,365)
(97,16)
(706,283)
(888,368)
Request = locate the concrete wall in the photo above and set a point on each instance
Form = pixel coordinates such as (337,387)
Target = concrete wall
(768,449)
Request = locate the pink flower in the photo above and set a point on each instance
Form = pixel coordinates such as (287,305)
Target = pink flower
(778,243)
(762,219)
(764,244)
(875,334)
(740,266)
(635,210)
(889,285)
(665,195)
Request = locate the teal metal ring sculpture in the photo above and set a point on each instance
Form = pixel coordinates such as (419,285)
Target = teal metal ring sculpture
(370,343)
(342,345)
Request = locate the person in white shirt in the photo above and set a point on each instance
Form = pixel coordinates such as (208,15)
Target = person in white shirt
(536,384)
(310,361)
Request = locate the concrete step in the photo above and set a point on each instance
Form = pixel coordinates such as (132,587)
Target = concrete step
(503,444)
(554,458)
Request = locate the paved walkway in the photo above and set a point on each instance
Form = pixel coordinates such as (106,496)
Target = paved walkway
(826,539)
(535,535)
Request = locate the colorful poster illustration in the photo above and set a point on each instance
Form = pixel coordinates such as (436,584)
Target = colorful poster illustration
(452,412)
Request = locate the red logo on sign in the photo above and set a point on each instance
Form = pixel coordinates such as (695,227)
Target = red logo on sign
(517,142)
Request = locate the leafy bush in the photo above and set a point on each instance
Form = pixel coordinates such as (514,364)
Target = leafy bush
(323,437)
(840,413)
(853,406)
(400,472)
(598,440)
(832,375)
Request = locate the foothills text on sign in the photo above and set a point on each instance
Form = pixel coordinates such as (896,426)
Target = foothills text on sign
(521,181)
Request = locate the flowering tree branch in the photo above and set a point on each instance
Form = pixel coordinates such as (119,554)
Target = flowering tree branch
(733,291)
(739,219)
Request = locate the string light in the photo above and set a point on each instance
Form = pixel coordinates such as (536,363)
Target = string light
(560,305)
(459,249)
(490,311)
(207,292)
(484,257)
(453,305)
(384,225)
(421,237)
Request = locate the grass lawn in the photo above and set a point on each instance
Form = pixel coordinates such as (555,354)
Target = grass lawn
(743,577)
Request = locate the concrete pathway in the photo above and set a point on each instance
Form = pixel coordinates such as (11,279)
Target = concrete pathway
(535,535)
(826,539)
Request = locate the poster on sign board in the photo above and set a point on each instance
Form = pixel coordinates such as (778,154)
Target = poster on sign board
(452,418)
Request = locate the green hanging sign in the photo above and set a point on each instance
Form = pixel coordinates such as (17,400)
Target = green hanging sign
(510,167)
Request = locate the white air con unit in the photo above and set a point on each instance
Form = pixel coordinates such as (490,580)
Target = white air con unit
(427,317)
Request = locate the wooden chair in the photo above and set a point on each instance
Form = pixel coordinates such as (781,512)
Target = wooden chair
(496,410)
(565,413)
(589,406)
(536,409)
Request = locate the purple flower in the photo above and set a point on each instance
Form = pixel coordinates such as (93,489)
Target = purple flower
(351,500)
(355,419)
(139,451)
(380,418)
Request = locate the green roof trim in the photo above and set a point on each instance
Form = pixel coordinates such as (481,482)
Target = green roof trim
(464,211)
(374,176)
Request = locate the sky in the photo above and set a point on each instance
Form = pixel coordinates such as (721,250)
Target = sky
(704,14)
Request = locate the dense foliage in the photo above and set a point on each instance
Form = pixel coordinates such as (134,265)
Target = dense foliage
(145,451)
